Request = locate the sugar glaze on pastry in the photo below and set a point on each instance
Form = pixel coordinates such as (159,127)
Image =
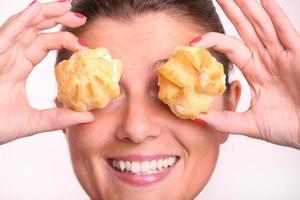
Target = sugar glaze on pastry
(89,79)
(189,80)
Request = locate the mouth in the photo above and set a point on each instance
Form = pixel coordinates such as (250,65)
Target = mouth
(141,170)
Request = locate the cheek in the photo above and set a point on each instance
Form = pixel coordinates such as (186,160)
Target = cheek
(201,149)
(87,143)
(199,140)
(91,139)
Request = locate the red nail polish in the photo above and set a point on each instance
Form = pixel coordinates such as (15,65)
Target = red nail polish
(196,40)
(62,1)
(32,3)
(82,43)
(79,15)
(201,121)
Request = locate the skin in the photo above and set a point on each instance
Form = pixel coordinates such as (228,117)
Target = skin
(137,122)
(270,65)
(269,58)
(23,46)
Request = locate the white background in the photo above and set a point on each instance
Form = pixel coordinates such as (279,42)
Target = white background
(39,167)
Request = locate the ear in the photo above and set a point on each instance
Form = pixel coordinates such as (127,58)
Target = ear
(231,100)
(232,97)
(60,105)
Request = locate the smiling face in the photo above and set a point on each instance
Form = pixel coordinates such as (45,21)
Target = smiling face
(163,157)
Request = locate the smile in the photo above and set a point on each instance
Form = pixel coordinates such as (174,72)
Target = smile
(142,170)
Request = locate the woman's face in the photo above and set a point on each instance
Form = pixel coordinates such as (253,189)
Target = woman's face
(136,130)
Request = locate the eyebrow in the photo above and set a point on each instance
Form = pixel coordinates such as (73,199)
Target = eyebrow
(157,64)
(152,68)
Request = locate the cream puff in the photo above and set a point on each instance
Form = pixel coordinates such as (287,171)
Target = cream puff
(189,80)
(89,79)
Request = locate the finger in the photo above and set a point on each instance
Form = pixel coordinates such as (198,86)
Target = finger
(55,9)
(51,10)
(236,51)
(241,23)
(46,42)
(51,15)
(16,25)
(31,16)
(285,30)
(58,118)
(230,122)
(262,25)
(70,19)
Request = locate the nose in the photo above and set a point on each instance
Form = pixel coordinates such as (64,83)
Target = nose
(139,123)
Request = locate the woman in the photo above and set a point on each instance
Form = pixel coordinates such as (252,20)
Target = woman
(136,127)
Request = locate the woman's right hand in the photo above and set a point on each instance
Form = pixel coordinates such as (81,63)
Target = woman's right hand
(22,47)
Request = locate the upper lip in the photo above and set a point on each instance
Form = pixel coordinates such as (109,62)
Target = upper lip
(141,157)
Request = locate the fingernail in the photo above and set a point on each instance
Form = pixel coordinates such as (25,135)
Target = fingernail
(32,3)
(79,15)
(201,121)
(62,1)
(82,42)
(196,40)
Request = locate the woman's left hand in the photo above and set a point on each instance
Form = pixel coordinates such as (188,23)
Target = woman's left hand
(269,58)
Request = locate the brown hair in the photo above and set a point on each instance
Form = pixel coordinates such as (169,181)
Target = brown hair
(202,13)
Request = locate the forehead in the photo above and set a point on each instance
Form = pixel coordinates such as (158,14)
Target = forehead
(147,37)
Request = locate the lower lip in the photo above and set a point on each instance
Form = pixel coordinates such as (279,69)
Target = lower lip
(142,180)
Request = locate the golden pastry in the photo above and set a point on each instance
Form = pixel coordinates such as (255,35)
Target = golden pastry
(89,79)
(189,80)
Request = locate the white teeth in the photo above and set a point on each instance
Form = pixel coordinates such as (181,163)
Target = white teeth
(153,165)
(135,167)
(144,167)
(115,163)
(122,165)
(172,161)
(127,166)
(166,163)
(159,164)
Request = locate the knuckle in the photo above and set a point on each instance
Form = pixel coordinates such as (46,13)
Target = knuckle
(67,35)
(221,3)
(42,38)
(241,23)
(58,117)
(67,38)
(230,51)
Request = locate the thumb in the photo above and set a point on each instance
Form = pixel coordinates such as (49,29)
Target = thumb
(58,118)
(229,122)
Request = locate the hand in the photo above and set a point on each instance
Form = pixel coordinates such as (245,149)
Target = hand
(22,47)
(269,58)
